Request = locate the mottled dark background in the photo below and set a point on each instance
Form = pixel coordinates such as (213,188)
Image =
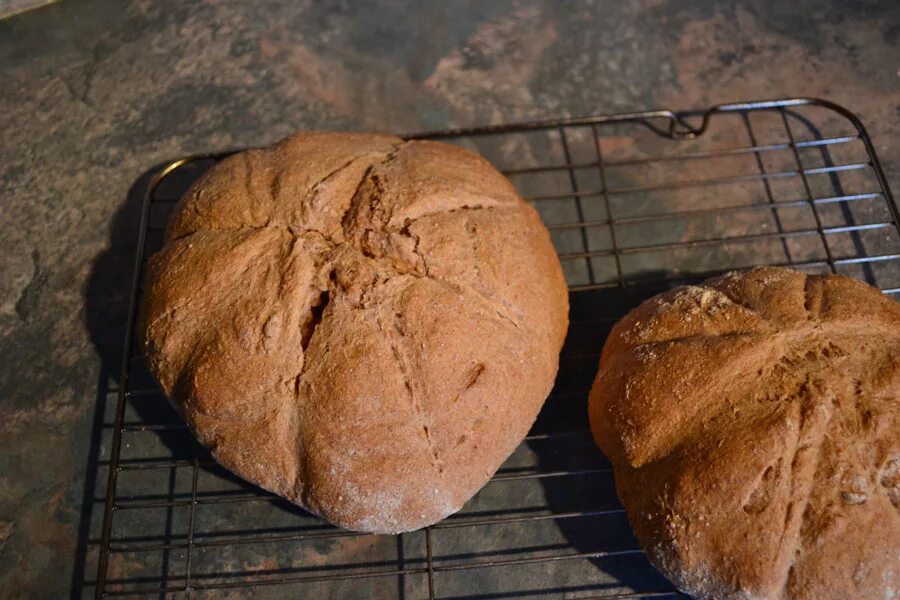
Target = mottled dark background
(94,94)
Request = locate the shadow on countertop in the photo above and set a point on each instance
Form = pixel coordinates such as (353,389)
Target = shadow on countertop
(107,297)
(106,301)
(596,523)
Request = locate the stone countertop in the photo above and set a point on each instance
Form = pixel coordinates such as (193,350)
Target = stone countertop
(96,93)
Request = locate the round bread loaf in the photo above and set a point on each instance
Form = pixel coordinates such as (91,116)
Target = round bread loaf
(752,427)
(363,325)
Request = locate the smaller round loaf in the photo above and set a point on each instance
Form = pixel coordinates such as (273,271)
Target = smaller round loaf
(752,425)
(363,325)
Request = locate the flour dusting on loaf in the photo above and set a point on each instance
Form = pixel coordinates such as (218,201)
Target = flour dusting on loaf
(752,425)
(364,325)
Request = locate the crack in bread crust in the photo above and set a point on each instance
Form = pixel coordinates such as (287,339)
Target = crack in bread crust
(394,335)
(800,490)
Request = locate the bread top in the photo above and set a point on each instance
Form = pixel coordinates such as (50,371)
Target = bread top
(752,423)
(364,325)
(676,357)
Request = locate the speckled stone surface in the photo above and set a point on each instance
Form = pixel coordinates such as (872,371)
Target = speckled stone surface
(94,94)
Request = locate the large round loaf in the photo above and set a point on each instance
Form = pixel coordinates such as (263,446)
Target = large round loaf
(752,425)
(363,325)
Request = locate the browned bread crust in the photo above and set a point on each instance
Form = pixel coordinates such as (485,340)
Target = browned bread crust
(752,426)
(365,326)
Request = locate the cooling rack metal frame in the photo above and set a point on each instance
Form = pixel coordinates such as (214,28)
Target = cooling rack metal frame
(620,273)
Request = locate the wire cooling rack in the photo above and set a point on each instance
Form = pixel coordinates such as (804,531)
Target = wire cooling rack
(635,203)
